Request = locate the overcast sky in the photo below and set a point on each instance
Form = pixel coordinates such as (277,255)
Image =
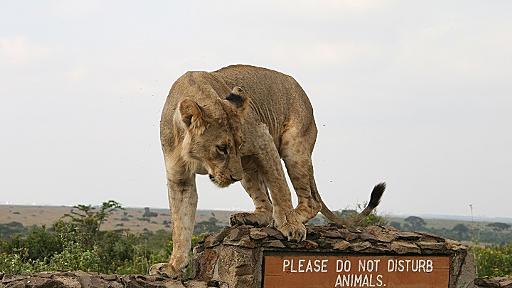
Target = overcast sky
(415,93)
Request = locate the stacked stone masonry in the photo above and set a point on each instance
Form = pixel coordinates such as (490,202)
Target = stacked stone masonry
(234,256)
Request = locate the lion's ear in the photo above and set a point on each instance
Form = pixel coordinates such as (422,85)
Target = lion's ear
(191,115)
(237,99)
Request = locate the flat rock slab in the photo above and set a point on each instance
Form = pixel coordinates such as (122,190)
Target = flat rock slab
(80,279)
(496,282)
(373,239)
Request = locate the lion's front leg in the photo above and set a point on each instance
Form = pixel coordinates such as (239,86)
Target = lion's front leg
(286,219)
(254,185)
(183,205)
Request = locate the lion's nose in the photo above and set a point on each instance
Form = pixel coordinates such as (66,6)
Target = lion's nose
(234,179)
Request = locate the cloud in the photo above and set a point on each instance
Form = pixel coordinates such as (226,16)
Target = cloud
(19,50)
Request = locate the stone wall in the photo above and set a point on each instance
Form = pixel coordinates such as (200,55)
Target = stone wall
(234,256)
(80,279)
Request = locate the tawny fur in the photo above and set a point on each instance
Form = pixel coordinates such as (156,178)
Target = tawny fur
(267,117)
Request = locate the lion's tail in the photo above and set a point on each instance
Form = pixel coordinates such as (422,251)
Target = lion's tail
(375,197)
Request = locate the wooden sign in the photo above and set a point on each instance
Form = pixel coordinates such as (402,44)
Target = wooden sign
(322,271)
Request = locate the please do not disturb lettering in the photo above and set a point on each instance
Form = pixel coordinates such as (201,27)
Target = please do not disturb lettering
(355,271)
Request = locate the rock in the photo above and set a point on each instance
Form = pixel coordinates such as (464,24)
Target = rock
(389,228)
(331,233)
(402,247)
(341,245)
(215,239)
(377,233)
(80,279)
(426,237)
(360,246)
(8,279)
(432,246)
(68,281)
(273,233)
(454,245)
(505,282)
(43,282)
(347,235)
(198,284)
(235,234)
(257,233)
(410,236)
(309,244)
(382,247)
(246,242)
(203,265)
(274,244)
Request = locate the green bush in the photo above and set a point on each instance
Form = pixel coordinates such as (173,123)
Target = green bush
(77,243)
(11,228)
(493,261)
(16,263)
(39,242)
(75,257)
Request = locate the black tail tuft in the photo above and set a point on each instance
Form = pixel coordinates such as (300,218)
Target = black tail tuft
(377,192)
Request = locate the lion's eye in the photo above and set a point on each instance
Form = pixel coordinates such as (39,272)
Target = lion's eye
(223,149)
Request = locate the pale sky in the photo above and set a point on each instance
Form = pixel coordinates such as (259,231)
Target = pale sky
(414,93)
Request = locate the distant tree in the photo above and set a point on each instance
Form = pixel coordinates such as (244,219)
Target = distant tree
(207,226)
(318,220)
(148,213)
(395,224)
(417,223)
(351,214)
(461,230)
(42,243)
(88,220)
(345,213)
(499,226)
(10,229)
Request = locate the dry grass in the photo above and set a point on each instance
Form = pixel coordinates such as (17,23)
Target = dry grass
(129,218)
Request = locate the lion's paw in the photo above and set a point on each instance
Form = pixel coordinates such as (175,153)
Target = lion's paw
(254,219)
(290,227)
(166,270)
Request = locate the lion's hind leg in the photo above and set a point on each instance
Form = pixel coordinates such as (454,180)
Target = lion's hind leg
(300,171)
(296,153)
(255,186)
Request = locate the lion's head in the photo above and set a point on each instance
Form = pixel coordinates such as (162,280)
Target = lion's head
(213,137)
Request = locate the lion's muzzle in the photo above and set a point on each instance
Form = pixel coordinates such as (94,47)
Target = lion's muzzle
(223,181)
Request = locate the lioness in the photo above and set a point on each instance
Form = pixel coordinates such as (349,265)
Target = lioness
(236,124)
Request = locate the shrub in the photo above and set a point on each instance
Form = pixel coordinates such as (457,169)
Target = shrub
(76,242)
(493,261)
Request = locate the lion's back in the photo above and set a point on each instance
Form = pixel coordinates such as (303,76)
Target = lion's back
(276,97)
